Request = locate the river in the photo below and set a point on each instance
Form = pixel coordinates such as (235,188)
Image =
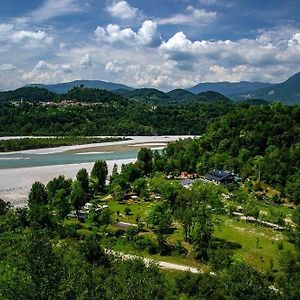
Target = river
(19,170)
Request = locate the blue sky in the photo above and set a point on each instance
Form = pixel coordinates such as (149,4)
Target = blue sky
(164,44)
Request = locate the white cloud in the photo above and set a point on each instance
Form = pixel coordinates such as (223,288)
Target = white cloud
(193,16)
(147,35)
(45,72)
(31,38)
(122,10)
(85,61)
(7,67)
(115,66)
(54,8)
(19,32)
(254,52)
(4,27)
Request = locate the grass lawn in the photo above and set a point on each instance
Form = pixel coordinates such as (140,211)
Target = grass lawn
(139,208)
(259,245)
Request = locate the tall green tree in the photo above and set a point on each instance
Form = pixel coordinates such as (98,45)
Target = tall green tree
(145,160)
(99,173)
(202,236)
(37,195)
(78,197)
(83,179)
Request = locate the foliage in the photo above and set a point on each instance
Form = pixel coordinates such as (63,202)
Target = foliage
(100,172)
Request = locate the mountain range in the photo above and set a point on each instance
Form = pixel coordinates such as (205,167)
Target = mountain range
(229,89)
(287,92)
(62,88)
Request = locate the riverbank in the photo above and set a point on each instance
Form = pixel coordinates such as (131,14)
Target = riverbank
(15,184)
(19,144)
(21,169)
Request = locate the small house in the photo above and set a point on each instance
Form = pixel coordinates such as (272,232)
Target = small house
(220,177)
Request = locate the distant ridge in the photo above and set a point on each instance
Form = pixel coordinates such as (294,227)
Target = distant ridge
(62,88)
(287,92)
(228,88)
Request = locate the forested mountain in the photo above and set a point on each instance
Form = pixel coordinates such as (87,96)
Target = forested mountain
(82,94)
(119,118)
(287,92)
(177,96)
(181,95)
(228,88)
(32,94)
(62,88)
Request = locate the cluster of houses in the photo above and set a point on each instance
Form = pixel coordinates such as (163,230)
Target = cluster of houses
(215,176)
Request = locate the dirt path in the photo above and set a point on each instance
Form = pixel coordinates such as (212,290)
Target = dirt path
(161,264)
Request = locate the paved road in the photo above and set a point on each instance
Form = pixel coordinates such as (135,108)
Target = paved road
(161,264)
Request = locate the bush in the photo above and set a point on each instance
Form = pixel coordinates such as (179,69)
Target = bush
(220,259)
(179,249)
(280,245)
(145,243)
(127,211)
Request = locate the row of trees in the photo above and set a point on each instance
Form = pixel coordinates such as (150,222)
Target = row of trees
(49,205)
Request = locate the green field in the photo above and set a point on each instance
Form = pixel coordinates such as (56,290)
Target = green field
(257,245)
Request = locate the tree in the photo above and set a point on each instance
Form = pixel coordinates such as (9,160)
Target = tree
(101,217)
(39,213)
(56,184)
(83,179)
(185,213)
(133,280)
(139,186)
(160,217)
(202,236)
(145,160)
(37,195)
(100,172)
(296,220)
(92,251)
(242,282)
(61,204)
(78,197)
(43,266)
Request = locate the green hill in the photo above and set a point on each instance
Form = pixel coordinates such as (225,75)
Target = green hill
(31,94)
(287,92)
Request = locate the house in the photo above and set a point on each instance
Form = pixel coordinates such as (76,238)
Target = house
(219,177)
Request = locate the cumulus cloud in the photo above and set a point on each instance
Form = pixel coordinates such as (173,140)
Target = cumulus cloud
(255,52)
(191,17)
(115,66)
(122,10)
(85,61)
(31,38)
(44,72)
(53,8)
(18,32)
(147,35)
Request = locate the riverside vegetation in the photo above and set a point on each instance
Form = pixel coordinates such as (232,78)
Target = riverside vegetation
(51,142)
(54,249)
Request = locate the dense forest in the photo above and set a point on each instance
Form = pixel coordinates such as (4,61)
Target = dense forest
(261,142)
(58,249)
(119,118)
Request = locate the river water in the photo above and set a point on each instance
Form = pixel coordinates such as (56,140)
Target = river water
(24,160)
